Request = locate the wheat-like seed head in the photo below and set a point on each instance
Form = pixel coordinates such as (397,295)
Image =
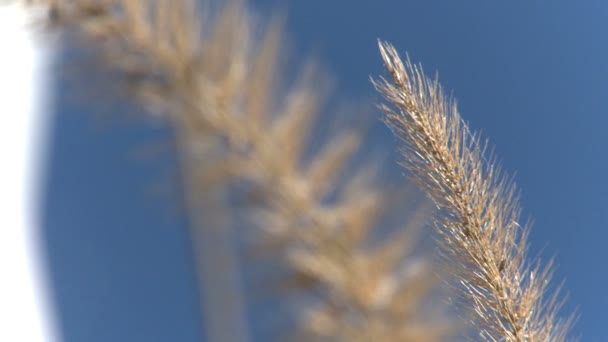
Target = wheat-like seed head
(216,83)
(479,212)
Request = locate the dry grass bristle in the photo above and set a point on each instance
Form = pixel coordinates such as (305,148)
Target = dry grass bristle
(479,212)
(217,83)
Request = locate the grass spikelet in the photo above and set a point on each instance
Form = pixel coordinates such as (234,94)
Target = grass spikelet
(214,81)
(479,212)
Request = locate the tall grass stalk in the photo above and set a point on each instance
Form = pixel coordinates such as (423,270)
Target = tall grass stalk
(479,212)
(219,85)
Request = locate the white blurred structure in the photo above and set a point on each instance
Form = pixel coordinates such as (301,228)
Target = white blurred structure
(25,313)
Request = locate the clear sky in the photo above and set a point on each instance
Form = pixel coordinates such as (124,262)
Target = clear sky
(531,74)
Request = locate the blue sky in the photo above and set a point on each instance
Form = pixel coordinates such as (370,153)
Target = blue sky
(531,74)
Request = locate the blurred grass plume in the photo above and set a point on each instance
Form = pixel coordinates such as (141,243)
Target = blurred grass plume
(216,80)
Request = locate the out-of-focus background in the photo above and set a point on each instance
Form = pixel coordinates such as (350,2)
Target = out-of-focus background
(531,74)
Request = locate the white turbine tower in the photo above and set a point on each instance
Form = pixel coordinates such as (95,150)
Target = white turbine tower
(24,300)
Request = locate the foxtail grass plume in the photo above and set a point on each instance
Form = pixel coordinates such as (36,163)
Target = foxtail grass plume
(219,85)
(479,213)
